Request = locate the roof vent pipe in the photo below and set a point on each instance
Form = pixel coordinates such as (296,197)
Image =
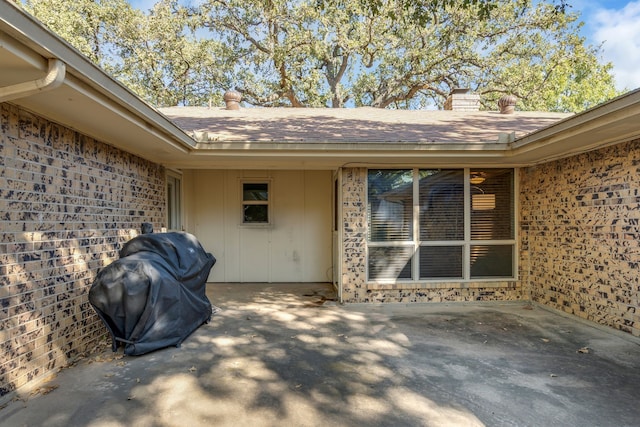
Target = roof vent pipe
(507,104)
(53,79)
(232,98)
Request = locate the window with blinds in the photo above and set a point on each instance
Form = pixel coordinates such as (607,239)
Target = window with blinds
(390,205)
(440,224)
(492,204)
(441,205)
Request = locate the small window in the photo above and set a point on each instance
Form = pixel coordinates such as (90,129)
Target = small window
(255,203)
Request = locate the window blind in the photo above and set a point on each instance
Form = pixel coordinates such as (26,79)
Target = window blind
(492,211)
(390,205)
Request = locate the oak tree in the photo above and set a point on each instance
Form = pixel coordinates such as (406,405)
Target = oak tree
(409,54)
(337,53)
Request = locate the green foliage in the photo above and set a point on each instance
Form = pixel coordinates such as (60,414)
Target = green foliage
(85,24)
(409,53)
(421,12)
(161,58)
(336,53)
(156,54)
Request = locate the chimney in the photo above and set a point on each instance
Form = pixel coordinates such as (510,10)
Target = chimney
(507,104)
(462,100)
(232,98)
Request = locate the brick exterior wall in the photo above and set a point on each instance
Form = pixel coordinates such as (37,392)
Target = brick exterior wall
(580,233)
(67,204)
(355,288)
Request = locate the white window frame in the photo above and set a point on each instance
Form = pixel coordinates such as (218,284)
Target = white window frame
(268,202)
(466,243)
(174,201)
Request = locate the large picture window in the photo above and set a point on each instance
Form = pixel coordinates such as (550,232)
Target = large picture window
(440,224)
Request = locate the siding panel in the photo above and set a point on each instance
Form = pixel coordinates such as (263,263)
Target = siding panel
(296,247)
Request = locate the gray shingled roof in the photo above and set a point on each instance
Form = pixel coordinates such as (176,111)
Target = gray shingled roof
(353,125)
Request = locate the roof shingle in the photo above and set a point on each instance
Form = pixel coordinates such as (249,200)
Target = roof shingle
(366,124)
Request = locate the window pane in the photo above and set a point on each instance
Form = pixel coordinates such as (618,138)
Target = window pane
(440,261)
(255,191)
(390,210)
(173,203)
(492,212)
(441,205)
(491,261)
(389,263)
(256,213)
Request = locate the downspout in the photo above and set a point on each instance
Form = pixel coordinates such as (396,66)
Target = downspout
(54,78)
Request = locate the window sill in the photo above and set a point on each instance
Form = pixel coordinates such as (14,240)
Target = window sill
(475,284)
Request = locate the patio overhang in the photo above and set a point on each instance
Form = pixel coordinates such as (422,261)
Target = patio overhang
(332,155)
(254,147)
(610,123)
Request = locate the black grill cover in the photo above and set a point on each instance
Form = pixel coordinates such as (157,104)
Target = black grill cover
(154,295)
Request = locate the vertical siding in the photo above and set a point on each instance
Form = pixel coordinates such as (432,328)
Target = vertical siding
(317,226)
(287,245)
(296,247)
(580,230)
(67,203)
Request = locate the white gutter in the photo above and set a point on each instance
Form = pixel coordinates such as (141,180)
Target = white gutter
(609,123)
(54,78)
(33,35)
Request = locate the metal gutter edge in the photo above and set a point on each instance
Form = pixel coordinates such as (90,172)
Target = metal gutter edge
(54,78)
(28,31)
(569,124)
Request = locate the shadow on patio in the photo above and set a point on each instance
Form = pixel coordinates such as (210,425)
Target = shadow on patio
(288,355)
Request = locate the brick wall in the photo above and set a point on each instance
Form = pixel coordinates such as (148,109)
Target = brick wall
(354,262)
(580,235)
(67,204)
(354,226)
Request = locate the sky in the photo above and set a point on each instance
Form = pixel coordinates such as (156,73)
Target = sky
(615,25)
(612,24)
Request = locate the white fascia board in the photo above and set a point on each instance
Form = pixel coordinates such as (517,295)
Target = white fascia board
(609,123)
(334,155)
(355,147)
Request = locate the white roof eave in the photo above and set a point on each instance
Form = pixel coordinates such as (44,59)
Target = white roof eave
(607,124)
(87,100)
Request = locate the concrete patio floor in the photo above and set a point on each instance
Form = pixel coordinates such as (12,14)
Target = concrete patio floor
(286,355)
